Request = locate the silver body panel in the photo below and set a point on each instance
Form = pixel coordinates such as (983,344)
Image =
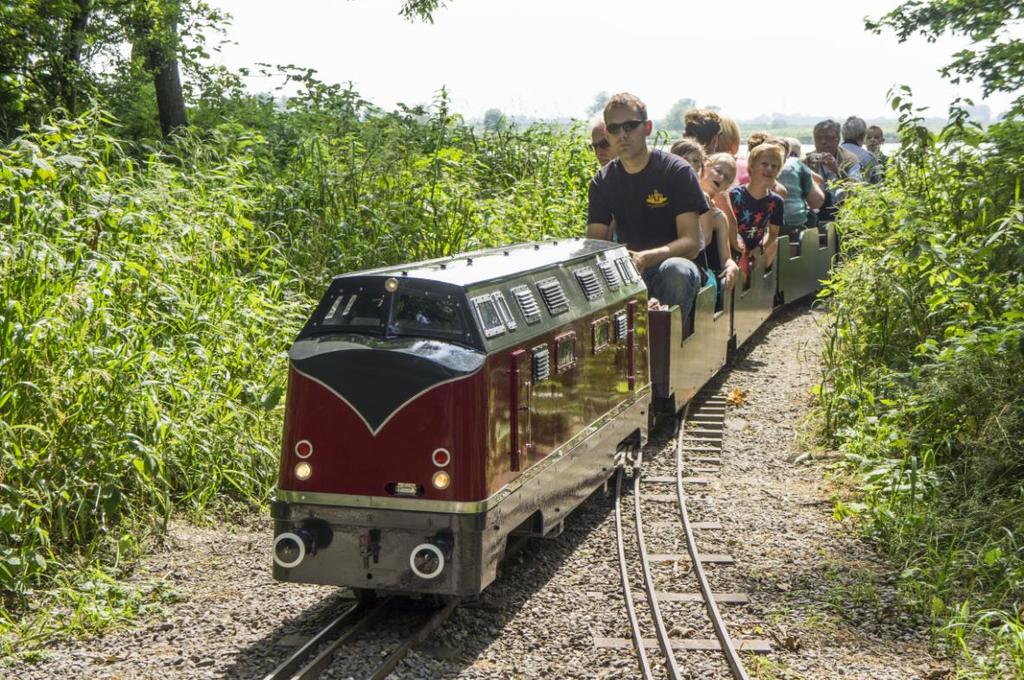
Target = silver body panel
(751,307)
(680,367)
(803,265)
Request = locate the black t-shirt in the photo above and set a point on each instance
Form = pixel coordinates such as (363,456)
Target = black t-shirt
(645,204)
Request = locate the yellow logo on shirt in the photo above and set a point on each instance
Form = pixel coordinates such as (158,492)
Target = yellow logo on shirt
(657,199)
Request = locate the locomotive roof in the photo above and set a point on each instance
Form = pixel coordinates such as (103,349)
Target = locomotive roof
(467,269)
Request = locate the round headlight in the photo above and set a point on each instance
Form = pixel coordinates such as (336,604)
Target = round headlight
(304,448)
(391,285)
(441,480)
(303,471)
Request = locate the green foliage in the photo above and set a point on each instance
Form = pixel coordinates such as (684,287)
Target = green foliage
(673,120)
(923,369)
(148,296)
(996,55)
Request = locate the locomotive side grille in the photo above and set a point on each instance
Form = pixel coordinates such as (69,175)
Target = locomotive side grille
(554,296)
(541,363)
(588,282)
(610,276)
(527,303)
(620,326)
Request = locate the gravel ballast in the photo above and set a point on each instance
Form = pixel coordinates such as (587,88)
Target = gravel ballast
(820,594)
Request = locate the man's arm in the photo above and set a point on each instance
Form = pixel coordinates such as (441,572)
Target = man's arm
(686,243)
(599,231)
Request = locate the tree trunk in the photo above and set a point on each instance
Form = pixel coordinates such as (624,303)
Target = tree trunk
(161,45)
(170,99)
(74,40)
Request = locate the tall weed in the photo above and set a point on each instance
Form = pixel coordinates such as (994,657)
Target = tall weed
(923,380)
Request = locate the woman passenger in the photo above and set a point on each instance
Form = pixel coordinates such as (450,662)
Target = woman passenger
(705,126)
(713,224)
(803,195)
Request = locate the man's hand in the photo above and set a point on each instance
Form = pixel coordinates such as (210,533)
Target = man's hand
(638,260)
(729,273)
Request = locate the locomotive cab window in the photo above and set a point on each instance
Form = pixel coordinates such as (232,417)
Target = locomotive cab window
(600,334)
(565,351)
(361,308)
(357,309)
(429,313)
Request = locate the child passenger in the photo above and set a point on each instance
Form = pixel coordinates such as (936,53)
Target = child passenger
(719,172)
(716,174)
(759,210)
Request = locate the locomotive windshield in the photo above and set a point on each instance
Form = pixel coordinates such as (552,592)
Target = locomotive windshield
(408,312)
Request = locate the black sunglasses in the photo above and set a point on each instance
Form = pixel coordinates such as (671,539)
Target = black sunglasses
(628,126)
(603,144)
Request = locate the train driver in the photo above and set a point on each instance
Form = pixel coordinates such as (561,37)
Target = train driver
(656,201)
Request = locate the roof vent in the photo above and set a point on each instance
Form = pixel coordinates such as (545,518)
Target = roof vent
(554,296)
(611,277)
(527,303)
(588,282)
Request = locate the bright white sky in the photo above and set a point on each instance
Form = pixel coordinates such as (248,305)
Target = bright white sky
(548,58)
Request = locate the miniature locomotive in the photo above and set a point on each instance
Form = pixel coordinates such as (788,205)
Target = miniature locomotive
(435,410)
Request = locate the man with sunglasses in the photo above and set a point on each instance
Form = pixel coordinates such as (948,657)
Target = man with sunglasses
(655,201)
(599,142)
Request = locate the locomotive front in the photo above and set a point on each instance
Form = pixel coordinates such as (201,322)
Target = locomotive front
(381,429)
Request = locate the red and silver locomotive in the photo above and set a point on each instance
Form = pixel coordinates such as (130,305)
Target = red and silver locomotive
(435,410)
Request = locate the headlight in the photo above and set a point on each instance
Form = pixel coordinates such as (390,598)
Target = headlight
(303,471)
(441,480)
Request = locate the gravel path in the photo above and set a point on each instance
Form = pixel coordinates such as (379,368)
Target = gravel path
(821,595)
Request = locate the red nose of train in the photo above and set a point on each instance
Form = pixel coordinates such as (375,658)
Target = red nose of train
(383,417)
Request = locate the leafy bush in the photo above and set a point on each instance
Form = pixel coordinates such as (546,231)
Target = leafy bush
(148,297)
(923,376)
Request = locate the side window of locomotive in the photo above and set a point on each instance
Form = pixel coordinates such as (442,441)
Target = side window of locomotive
(356,309)
(565,351)
(487,313)
(600,334)
(503,310)
(428,313)
(627,270)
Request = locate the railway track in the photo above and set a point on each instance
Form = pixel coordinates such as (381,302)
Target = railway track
(316,655)
(698,449)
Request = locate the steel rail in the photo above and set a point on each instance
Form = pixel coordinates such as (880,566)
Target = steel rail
(399,653)
(724,640)
(288,667)
(652,597)
(627,590)
(323,659)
